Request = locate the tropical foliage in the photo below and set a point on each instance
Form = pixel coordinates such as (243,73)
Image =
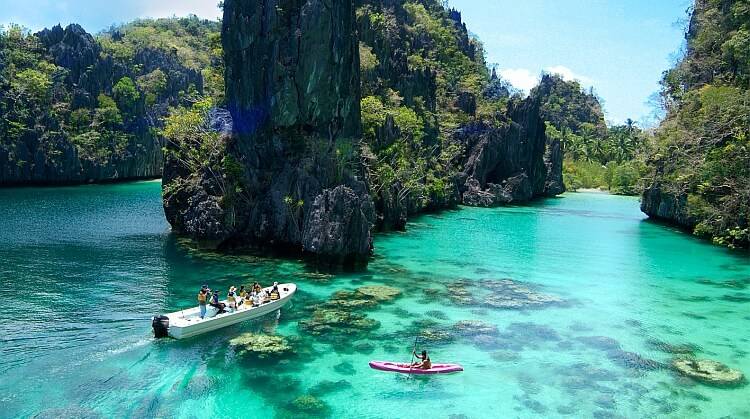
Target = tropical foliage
(702,149)
(111,109)
(408,118)
(596,156)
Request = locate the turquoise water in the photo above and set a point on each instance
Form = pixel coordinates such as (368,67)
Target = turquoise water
(597,296)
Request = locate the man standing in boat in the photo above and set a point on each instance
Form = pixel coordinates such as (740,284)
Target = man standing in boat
(202,297)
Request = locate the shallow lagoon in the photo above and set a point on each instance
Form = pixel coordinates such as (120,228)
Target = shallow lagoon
(598,302)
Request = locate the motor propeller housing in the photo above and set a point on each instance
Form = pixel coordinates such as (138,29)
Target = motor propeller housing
(160,325)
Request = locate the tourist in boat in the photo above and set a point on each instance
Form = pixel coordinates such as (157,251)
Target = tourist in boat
(216,304)
(263,296)
(424,361)
(256,299)
(243,293)
(202,298)
(275,295)
(231,299)
(256,287)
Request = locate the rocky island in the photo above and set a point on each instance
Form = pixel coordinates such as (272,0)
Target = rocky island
(303,168)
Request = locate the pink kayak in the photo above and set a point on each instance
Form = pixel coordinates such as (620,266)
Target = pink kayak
(406,369)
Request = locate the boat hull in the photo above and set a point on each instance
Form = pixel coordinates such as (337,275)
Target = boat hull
(407,369)
(187,323)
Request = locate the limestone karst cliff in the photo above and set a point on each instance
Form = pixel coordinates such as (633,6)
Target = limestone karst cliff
(293,90)
(75,108)
(699,164)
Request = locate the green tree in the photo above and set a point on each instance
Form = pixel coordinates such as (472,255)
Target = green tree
(127,96)
(153,85)
(107,114)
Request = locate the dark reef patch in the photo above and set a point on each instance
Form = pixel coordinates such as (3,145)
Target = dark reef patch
(345,368)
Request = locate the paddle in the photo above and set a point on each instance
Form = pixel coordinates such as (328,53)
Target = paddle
(412,354)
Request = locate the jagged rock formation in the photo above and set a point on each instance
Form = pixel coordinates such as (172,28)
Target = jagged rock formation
(55,132)
(699,175)
(292,77)
(403,78)
(553,161)
(664,205)
(508,161)
(568,107)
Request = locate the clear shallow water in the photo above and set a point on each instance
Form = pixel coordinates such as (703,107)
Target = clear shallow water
(84,268)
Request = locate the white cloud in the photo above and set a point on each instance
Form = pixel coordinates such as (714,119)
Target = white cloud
(525,79)
(520,78)
(208,9)
(568,74)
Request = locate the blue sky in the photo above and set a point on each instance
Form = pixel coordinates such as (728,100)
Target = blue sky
(620,47)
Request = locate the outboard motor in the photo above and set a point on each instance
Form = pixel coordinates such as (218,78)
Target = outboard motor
(161,326)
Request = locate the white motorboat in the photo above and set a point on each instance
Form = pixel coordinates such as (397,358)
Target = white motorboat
(187,323)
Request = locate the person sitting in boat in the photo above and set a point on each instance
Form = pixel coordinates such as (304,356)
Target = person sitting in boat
(242,294)
(220,307)
(202,299)
(231,299)
(275,295)
(256,299)
(263,296)
(424,361)
(256,287)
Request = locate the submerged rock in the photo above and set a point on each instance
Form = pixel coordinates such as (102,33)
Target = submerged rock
(308,405)
(379,293)
(435,336)
(327,387)
(682,349)
(349,300)
(602,343)
(361,298)
(505,356)
(261,346)
(633,360)
(437,314)
(332,323)
(317,277)
(500,294)
(709,372)
(345,368)
(474,328)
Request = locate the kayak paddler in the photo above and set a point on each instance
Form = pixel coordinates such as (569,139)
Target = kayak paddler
(425,362)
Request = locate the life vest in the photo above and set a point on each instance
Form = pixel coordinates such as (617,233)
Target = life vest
(201,298)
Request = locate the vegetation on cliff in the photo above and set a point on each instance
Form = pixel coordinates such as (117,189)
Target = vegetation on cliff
(393,123)
(76,108)
(422,77)
(428,96)
(596,155)
(700,163)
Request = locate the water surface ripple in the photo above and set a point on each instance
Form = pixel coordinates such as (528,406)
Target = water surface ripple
(571,307)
